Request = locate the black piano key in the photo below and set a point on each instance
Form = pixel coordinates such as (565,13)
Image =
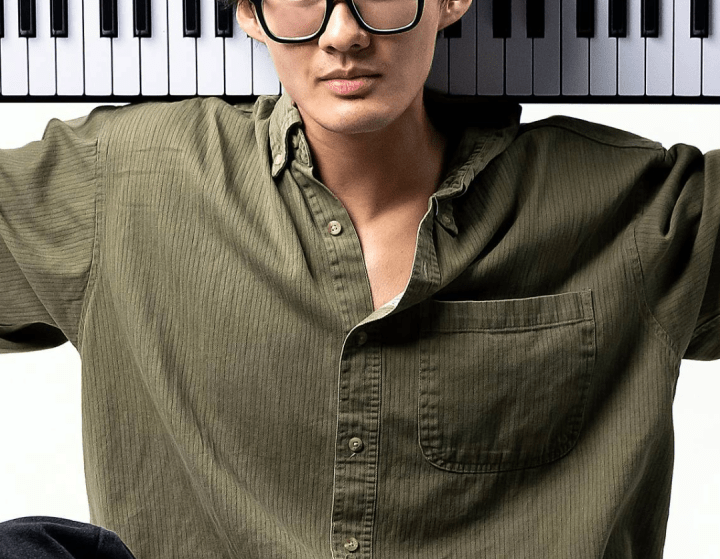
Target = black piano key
(142,22)
(453,31)
(650,18)
(502,19)
(26,22)
(585,18)
(58,18)
(535,18)
(699,18)
(618,18)
(2,19)
(224,17)
(191,18)
(108,18)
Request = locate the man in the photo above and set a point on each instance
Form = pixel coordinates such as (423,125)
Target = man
(360,321)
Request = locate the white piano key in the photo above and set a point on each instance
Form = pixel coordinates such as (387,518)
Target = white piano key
(438,78)
(238,62)
(41,54)
(462,65)
(154,52)
(265,79)
(546,53)
(687,53)
(575,54)
(210,53)
(518,53)
(603,54)
(70,79)
(631,54)
(182,53)
(126,53)
(13,55)
(491,53)
(659,53)
(98,62)
(711,54)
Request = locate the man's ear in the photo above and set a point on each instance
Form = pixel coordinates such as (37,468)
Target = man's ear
(245,15)
(451,11)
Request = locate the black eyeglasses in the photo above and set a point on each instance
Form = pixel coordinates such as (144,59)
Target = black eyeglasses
(298,21)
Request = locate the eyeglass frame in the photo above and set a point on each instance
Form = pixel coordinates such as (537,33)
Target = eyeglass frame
(257,4)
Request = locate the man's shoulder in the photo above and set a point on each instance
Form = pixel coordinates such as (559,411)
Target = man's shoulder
(577,131)
(199,119)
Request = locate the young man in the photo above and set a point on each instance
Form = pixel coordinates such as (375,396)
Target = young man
(359,320)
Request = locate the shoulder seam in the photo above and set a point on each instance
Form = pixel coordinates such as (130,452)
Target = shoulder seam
(95,257)
(592,132)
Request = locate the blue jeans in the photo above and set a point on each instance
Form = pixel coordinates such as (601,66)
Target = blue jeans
(46,537)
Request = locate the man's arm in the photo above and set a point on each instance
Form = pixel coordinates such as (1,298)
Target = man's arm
(41,466)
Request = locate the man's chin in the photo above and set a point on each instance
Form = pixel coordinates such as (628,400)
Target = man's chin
(355,120)
(365,126)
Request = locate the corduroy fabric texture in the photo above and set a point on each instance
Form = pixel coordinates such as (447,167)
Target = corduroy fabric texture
(514,401)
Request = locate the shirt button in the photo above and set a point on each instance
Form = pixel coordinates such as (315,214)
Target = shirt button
(446,219)
(351,544)
(335,228)
(356,444)
(278,159)
(362,338)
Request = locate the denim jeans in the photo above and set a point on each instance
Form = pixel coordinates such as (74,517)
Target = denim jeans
(46,537)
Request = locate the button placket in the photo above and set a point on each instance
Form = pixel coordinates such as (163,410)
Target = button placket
(356,459)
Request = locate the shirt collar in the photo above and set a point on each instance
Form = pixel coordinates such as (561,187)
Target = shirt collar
(478,130)
(285,120)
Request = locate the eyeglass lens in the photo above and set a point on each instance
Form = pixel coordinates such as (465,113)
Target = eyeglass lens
(302,18)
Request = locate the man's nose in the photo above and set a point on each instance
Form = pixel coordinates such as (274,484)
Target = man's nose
(343,32)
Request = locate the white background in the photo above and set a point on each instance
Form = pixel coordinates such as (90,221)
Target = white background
(41,468)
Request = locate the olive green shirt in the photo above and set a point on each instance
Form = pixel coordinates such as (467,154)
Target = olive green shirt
(242,400)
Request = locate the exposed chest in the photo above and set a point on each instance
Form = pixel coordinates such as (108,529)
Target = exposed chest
(389,251)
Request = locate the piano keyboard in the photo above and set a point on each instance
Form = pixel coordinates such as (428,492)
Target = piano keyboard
(565,49)
(542,50)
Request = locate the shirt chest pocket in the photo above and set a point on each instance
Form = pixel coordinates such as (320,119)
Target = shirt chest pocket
(503,384)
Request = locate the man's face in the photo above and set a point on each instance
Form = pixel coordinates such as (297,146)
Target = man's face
(390,70)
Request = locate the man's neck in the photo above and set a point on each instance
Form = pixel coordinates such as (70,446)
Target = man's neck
(375,173)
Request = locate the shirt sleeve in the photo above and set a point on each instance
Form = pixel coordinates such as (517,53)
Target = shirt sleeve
(47,230)
(678,251)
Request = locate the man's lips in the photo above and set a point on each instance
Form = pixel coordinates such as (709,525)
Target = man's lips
(350,73)
(345,86)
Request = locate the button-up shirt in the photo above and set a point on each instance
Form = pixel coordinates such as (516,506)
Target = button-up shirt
(242,398)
